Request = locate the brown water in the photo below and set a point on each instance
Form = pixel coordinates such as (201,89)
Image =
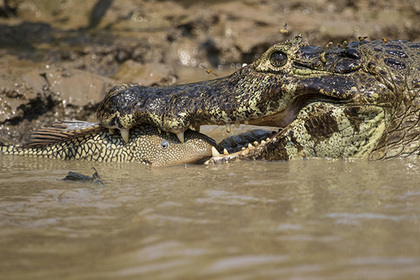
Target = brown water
(305,219)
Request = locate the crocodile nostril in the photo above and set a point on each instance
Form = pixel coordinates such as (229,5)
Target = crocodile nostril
(278,59)
(352,53)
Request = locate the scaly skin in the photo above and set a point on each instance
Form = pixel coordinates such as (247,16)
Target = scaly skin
(358,100)
(237,98)
(91,142)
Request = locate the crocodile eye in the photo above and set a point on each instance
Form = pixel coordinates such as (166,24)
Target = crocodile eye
(278,59)
(164,144)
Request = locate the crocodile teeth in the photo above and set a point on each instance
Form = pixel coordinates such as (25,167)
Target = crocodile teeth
(124,134)
(237,124)
(214,152)
(228,127)
(246,122)
(250,146)
(225,152)
(180,136)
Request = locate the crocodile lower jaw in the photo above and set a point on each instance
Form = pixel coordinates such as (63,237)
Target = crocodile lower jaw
(243,153)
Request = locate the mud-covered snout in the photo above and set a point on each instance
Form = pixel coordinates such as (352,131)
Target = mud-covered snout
(232,100)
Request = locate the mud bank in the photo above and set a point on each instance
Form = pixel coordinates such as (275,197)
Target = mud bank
(59,58)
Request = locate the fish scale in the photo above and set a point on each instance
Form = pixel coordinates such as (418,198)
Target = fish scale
(91,142)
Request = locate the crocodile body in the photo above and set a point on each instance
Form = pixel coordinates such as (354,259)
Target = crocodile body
(87,141)
(356,100)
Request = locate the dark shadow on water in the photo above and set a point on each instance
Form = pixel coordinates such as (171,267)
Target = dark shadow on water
(25,35)
(98,12)
(25,38)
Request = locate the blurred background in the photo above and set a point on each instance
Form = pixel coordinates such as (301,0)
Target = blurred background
(59,57)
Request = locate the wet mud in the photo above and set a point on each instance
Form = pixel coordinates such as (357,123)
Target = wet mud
(60,57)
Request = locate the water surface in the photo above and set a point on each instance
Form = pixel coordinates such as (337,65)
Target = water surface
(304,219)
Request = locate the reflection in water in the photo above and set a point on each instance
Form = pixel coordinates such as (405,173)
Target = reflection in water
(304,219)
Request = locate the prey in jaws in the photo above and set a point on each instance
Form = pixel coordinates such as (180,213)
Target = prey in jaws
(359,100)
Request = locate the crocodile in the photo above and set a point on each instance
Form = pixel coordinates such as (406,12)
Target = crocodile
(352,100)
(87,141)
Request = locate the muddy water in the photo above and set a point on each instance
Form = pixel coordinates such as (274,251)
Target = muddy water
(305,219)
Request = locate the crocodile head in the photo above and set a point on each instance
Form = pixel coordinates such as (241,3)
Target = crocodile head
(344,101)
